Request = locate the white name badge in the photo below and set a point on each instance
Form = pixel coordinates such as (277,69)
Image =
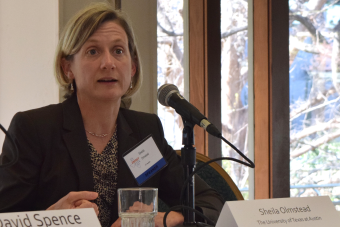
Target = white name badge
(295,212)
(144,160)
(51,218)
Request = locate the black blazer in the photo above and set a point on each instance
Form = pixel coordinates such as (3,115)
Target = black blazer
(54,160)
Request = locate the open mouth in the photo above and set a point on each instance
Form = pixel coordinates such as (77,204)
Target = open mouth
(107,80)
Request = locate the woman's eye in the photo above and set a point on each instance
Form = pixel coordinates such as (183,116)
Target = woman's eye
(92,52)
(118,51)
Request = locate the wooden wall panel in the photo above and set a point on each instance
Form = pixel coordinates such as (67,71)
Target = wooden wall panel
(261,102)
(205,69)
(279,99)
(213,74)
(197,66)
(271,104)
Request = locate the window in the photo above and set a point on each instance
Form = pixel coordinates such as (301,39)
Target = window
(170,63)
(314,98)
(234,84)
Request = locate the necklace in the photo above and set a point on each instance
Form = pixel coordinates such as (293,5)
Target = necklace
(97,135)
(100,135)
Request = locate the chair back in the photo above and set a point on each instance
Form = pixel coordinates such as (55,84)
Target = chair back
(216,177)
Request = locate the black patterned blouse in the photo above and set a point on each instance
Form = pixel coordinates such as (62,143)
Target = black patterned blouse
(105,174)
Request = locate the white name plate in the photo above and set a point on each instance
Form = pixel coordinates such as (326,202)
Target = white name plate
(297,212)
(51,218)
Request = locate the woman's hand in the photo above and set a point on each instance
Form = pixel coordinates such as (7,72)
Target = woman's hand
(173,219)
(139,207)
(117,223)
(74,200)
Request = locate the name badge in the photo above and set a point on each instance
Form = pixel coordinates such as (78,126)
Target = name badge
(144,160)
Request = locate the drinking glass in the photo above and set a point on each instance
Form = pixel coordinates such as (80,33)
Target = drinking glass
(137,207)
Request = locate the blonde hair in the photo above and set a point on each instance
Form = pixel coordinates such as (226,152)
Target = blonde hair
(76,32)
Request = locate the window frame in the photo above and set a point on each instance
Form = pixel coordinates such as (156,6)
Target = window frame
(271,88)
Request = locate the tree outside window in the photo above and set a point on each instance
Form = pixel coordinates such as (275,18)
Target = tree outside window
(314,98)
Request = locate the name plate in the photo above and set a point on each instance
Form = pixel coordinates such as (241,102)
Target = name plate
(51,218)
(297,212)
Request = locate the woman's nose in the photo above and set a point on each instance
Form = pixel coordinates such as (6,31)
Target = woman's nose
(108,61)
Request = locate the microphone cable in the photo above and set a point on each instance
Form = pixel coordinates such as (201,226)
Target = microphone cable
(15,152)
(249,164)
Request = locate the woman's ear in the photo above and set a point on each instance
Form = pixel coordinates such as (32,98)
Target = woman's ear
(133,70)
(66,66)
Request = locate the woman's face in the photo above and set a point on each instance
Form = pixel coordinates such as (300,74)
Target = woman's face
(102,69)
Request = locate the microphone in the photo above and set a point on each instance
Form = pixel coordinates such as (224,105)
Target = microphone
(168,95)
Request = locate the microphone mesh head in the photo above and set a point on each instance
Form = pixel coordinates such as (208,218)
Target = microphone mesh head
(164,91)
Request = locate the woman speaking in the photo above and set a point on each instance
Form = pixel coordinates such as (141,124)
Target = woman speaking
(71,154)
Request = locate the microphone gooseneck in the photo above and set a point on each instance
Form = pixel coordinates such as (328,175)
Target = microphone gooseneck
(168,95)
